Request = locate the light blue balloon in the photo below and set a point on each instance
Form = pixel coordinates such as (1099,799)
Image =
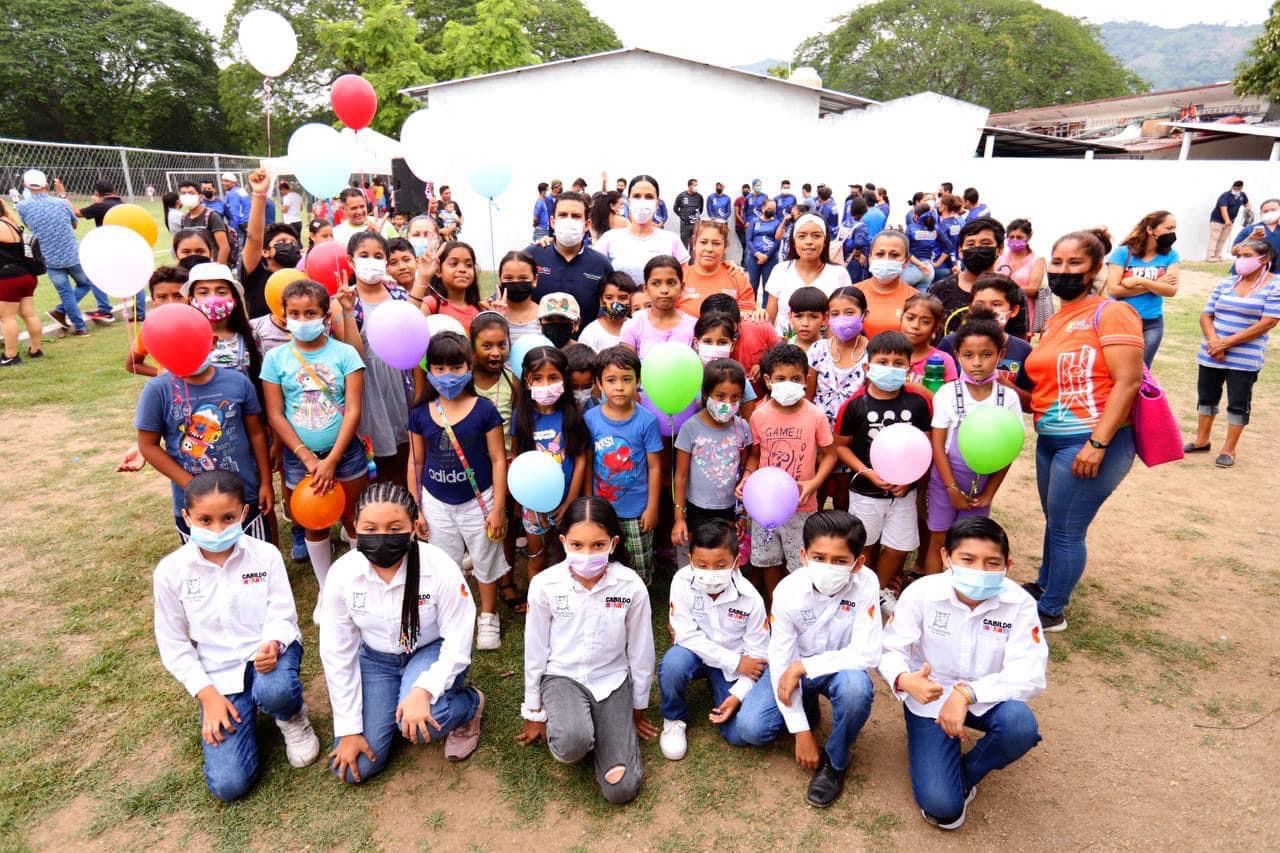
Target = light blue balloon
(489,179)
(321,159)
(522,347)
(536,481)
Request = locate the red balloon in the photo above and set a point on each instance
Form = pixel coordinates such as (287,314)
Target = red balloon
(353,100)
(328,264)
(179,337)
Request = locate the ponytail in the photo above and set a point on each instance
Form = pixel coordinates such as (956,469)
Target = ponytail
(394,493)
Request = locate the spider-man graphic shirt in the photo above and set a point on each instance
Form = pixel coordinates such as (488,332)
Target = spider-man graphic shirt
(621,451)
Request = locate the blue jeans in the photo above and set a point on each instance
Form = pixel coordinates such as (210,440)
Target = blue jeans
(61,278)
(385,682)
(1069,504)
(941,777)
(759,273)
(1152,334)
(850,693)
(758,720)
(231,767)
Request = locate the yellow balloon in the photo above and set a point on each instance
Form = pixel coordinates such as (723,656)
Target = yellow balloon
(136,219)
(274,291)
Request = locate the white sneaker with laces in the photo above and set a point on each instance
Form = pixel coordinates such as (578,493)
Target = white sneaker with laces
(488,635)
(674,742)
(301,745)
(888,602)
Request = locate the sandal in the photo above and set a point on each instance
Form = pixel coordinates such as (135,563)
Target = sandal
(516,600)
(1224,460)
(1192,447)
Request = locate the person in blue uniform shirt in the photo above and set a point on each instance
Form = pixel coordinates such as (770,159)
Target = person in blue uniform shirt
(755,201)
(874,218)
(762,244)
(974,209)
(827,209)
(784,200)
(719,205)
(541,213)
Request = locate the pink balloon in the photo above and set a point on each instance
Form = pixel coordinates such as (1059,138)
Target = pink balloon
(398,333)
(901,454)
(771,497)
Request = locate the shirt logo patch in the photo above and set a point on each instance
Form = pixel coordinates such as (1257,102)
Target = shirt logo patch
(699,605)
(808,617)
(846,606)
(562,605)
(1035,633)
(871,610)
(424,599)
(618,601)
(192,587)
(738,615)
(359,600)
(253,577)
(939,625)
(995,626)
(462,590)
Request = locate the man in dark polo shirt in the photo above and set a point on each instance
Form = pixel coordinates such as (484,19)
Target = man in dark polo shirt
(105,197)
(564,266)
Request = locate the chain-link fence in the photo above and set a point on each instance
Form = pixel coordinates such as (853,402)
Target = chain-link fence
(135,173)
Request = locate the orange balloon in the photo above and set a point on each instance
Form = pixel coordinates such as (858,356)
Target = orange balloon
(274,291)
(136,219)
(315,511)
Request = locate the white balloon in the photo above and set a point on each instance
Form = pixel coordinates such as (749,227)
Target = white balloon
(440,323)
(117,260)
(268,42)
(415,141)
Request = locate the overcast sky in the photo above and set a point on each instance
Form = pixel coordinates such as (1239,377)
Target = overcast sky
(737,32)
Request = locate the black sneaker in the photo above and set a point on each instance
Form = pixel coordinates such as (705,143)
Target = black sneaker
(1034,590)
(36,353)
(958,822)
(10,362)
(1052,624)
(60,317)
(80,333)
(826,785)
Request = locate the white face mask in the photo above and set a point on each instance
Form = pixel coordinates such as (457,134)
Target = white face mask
(712,581)
(786,393)
(710,352)
(828,579)
(643,209)
(720,412)
(582,396)
(1271,217)
(569,232)
(188,200)
(371,270)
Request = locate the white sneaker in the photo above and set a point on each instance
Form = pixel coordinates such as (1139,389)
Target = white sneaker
(888,602)
(958,822)
(673,741)
(301,745)
(488,635)
(466,564)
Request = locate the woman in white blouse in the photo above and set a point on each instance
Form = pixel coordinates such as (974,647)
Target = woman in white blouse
(395,641)
(809,266)
(630,248)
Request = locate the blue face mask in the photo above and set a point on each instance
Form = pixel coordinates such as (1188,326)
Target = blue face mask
(216,542)
(305,330)
(975,584)
(449,385)
(887,378)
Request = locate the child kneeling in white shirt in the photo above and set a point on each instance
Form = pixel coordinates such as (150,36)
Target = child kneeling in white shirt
(228,630)
(588,653)
(965,648)
(395,641)
(718,622)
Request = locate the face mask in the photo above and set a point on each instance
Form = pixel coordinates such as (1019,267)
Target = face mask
(216,308)
(1002,317)
(643,209)
(204,365)
(518,291)
(1248,266)
(569,232)
(587,566)
(846,328)
(420,245)
(721,412)
(557,333)
(887,378)
(786,393)
(886,269)
(976,584)
(712,581)
(1165,242)
(767,213)
(616,310)
(989,380)
(546,395)
(383,550)
(287,254)
(449,385)
(219,541)
(1236,194)
(1271,217)
(208,194)
(827,579)
(305,330)
(190,262)
(188,200)
(1067,285)
(710,352)
(1016,245)
(979,259)
(582,396)
(370,270)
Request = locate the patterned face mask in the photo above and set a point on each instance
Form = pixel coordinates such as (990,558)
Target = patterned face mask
(216,308)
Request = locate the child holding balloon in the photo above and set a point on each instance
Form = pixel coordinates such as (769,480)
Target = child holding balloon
(219,297)
(165,286)
(955,491)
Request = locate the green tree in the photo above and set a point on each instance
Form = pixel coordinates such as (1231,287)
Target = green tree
(1260,73)
(1002,54)
(563,29)
(433,15)
(117,72)
(496,41)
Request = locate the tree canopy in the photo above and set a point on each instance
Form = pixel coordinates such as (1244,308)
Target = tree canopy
(1002,54)
(1260,72)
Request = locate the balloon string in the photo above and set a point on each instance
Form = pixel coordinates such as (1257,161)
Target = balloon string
(493,259)
(266,88)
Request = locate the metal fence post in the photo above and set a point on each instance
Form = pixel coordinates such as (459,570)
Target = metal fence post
(128,179)
(217,178)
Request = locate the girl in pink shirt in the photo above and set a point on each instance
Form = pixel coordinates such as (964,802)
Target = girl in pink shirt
(922,324)
(661,322)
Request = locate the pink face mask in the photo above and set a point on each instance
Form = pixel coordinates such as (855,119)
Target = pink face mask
(1016,245)
(1249,266)
(216,307)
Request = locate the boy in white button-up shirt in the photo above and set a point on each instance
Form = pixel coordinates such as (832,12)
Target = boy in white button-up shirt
(826,639)
(227,629)
(965,648)
(719,624)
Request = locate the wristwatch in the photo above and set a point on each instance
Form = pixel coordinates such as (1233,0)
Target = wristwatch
(1097,445)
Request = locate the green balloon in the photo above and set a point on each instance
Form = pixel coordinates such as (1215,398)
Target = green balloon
(671,374)
(990,438)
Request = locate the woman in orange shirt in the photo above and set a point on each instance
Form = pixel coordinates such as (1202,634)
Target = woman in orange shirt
(886,292)
(707,272)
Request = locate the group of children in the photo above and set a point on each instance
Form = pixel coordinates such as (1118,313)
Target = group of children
(396,617)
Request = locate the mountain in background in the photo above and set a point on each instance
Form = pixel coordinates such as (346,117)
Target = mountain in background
(1194,55)
(763,66)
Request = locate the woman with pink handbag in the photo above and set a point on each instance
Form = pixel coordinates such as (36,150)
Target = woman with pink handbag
(1236,321)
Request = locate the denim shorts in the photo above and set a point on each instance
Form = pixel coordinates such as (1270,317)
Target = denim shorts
(352,466)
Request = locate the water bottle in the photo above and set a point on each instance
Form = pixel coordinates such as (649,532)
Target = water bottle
(935,373)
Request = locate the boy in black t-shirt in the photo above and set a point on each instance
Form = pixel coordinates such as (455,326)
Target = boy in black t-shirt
(888,512)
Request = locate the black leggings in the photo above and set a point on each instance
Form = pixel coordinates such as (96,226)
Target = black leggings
(1239,392)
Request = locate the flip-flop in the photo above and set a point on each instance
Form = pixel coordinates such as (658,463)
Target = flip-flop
(1224,461)
(1192,447)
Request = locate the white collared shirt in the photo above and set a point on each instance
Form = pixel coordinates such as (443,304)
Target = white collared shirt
(359,607)
(828,633)
(996,647)
(720,630)
(594,636)
(211,619)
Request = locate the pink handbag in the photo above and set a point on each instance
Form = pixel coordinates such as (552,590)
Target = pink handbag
(1155,430)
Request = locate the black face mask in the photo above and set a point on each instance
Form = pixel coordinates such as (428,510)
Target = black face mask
(719,190)
(190,262)
(208,193)
(1165,242)
(287,254)
(616,310)
(384,550)
(518,291)
(767,214)
(979,259)
(557,333)
(1067,285)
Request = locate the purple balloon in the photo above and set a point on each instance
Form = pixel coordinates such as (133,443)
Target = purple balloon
(398,333)
(669,425)
(771,497)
